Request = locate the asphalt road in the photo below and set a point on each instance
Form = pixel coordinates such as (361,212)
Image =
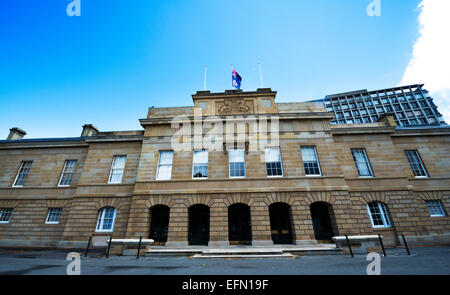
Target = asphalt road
(423,261)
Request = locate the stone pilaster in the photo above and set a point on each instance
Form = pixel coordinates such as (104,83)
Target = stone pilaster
(261,235)
(218,233)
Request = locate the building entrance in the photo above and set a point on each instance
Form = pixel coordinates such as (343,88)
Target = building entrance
(320,214)
(198,225)
(280,223)
(159,224)
(239,225)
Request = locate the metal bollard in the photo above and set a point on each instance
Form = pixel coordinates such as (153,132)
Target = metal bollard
(406,245)
(139,247)
(109,247)
(87,248)
(381,243)
(349,247)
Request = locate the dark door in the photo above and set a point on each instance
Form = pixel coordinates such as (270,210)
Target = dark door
(198,225)
(159,224)
(320,215)
(280,223)
(239,227)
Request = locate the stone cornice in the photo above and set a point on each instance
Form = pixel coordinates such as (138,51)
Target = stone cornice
(362,130)
(233,94)
(281,116)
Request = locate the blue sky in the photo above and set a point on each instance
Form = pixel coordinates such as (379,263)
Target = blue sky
(107,66)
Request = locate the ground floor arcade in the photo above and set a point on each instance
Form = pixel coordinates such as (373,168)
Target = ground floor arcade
(223,219)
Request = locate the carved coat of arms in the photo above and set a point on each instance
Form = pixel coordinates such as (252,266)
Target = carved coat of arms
(234,106)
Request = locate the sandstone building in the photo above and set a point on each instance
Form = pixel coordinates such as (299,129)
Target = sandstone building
(319,179)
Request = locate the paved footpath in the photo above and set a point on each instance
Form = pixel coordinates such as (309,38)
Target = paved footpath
(423,261)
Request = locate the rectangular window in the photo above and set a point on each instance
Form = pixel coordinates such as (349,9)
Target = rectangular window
(117,168)
(378,214)
(200,164)
(22,174)
(237,163)
(435,208)
(362,162)
(416,163)
(66,175)
(5,214)
(164,171)
(53,216)
(310,160)
(106,219)
(273,162)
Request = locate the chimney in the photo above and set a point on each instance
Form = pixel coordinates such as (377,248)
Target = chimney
(16,133)
(89,130)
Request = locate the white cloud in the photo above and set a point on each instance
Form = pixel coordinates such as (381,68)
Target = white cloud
(430,61)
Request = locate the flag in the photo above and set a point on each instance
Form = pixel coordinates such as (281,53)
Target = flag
(236,80)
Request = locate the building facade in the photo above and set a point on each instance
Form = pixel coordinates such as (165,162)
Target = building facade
(304,181)
(409,106)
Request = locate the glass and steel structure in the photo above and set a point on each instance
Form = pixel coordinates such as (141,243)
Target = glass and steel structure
(410,105)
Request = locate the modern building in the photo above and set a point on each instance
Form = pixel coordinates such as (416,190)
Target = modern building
(409,105)
(307,180)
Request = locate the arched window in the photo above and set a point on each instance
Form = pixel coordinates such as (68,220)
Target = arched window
(378,214)
(106,219)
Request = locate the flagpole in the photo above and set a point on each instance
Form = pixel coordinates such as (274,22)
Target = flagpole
(260,75)
(232,69)
(204,84)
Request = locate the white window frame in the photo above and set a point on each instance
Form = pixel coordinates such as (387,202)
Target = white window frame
(438,202)
(10,214)
(64,171)
(419,163)
(50,212)
(159,165)
(367,161)
(18,173)
(229,163)
(111,169)
(281,163)
(193,164)
(317,160)
(384,215)
(101,220)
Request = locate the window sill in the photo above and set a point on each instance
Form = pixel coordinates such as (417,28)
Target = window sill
(4,222)
(52,223)
(104,231)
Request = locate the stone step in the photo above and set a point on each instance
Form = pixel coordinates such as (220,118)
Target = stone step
(172,252)
(238,256)
(314,251)
(245,251)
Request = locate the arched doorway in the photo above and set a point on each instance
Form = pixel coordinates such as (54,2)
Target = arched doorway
(198,225)
(239,226)
(322,222)
(280,223)
(159,224)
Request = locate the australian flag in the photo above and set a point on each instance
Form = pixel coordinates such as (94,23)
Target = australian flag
(236,80)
